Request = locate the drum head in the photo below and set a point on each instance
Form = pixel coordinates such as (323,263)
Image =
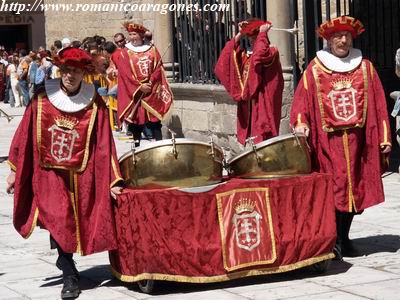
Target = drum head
(188,163)
(283,155)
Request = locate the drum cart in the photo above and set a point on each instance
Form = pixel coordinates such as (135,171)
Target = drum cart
(186,234)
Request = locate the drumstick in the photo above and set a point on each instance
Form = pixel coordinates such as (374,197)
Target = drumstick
(293,30)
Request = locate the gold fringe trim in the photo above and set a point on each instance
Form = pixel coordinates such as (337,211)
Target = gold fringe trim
(221,278)
(347,156)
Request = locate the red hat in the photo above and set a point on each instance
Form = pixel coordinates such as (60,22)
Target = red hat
(253,27)
(342,23)
(132,27)
(74,57)
(43,54)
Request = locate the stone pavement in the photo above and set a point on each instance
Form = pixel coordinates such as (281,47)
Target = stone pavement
(27,267)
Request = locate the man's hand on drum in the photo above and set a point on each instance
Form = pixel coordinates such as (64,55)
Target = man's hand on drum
(302,129)
(10,182)
(116,190)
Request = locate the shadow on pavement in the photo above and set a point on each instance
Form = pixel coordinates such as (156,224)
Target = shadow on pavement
(379,243)
(101,276)
(166,287)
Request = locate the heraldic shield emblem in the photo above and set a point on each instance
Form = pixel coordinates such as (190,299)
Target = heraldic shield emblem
(343,100)
(246,226)
(63,136)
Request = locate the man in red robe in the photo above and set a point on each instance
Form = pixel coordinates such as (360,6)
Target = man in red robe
(64,165)
(144,96)
(340,105)
(254,79)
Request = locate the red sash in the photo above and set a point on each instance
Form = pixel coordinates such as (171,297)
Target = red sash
(63,138)
(342,97)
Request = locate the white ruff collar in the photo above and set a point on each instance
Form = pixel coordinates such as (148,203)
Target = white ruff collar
(69,104)
(338,64)
(142,48)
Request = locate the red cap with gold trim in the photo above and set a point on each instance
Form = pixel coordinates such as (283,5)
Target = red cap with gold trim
(74,57)
(342,23)
(132,27)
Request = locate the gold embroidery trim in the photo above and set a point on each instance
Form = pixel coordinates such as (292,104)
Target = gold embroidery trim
(225,277)
(385,135)
(305,83)
(73,190)
(237,70)
(12,166)
(321,66)
(39,122)
(349,179)
(116,173)
(269,225)
(34,223)
(319,96)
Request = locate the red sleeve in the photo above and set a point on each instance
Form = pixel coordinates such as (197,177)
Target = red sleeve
(300,113)
(381,109)
(263,57)
(21,144)
(227,70)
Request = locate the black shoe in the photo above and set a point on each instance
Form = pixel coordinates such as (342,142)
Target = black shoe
(337,250)
(349,250)
(76,272)
(70,288)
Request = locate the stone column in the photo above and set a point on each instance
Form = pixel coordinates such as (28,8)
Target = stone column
(278,12)
(162,34)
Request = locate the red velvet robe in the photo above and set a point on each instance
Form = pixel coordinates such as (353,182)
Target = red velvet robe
(74,205)
(134,69)
(349,148)
(256,84)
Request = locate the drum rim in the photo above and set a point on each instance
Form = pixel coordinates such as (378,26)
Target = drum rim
(270,141)
(167,142)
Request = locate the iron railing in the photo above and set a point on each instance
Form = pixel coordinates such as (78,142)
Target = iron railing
(200,36)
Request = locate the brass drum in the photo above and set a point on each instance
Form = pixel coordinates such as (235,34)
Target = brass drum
(173,163)
(279,156)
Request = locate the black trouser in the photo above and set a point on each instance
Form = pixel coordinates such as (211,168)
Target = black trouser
(64,261)
(343,224)
(137,130)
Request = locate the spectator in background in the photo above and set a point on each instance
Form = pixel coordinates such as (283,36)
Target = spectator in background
(66,42)
(32,73)
(22,72)
(15,95)
(119,40)
(398,63)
